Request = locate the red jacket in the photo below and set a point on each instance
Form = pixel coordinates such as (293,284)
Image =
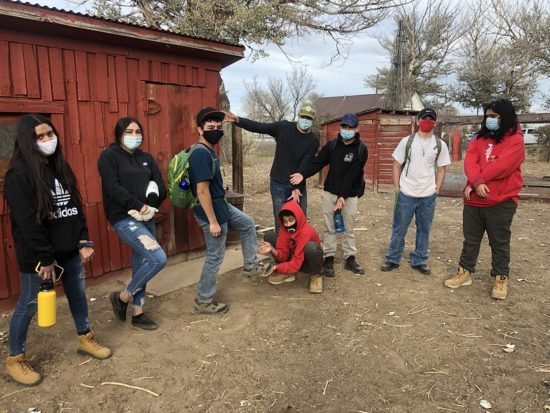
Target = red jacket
(496,165)
(292,244)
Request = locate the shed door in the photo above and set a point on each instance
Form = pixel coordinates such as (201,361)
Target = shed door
(170,128)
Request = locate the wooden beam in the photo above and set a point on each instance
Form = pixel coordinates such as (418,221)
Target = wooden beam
(28,106)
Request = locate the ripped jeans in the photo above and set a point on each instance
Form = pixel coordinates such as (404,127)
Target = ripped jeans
(148,258)
(75,290)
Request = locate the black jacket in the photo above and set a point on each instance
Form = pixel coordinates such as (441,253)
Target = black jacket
(124,180)
(345,175)
(294,150)
(43,241)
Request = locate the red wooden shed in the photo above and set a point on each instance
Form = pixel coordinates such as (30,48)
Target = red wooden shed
(85,73)
(381,130)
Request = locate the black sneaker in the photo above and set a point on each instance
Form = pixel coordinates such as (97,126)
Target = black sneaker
(422,269)
(119,306)
(144,322)
(328,267)
(212,307)
(353,266)
(388,266)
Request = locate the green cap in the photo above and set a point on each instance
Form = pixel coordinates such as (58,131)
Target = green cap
(307,109)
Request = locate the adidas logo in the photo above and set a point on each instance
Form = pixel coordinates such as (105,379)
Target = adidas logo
(61,197)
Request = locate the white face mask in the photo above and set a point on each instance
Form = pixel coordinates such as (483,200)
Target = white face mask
(131,141)
(47,148)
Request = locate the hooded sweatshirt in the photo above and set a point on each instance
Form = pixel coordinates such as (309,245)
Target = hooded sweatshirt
(124,180)
(496,165)
(53,239)
(290,245)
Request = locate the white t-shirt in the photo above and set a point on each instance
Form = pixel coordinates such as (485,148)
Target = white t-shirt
(418,177)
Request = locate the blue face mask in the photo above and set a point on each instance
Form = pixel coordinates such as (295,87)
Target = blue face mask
(347,134)
(131,142)
(305,124)
(491,123)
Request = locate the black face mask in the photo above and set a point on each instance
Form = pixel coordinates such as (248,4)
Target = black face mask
(212,136)
(292,228)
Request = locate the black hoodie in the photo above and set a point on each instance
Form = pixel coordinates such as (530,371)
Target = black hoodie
(124,180)
(55,238)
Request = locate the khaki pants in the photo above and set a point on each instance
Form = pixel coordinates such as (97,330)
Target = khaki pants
(349,211)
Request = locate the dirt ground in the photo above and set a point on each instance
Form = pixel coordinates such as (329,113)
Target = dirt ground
(383,342)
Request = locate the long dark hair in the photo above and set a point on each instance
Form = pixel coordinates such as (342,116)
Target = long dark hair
(121,126)
(508,120)
(26,152)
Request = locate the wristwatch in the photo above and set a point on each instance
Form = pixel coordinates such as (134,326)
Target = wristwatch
(85,244)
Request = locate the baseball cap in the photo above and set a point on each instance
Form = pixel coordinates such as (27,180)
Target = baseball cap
(427,112)
(307,109)
(209,113)
(350,119)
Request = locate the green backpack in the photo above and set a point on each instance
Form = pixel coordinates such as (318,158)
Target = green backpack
(408,153)
(181,196)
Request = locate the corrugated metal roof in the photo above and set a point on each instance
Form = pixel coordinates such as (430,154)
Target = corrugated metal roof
(75,13)
(337,106)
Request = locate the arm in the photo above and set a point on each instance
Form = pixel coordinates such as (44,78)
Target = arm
(472,167)
(294,265)
(396,174)
(308,157)
(439,178)
(271,129)
(157,177)
(319,162)
(205,199)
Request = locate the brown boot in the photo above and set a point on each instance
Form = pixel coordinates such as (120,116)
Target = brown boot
(88,345)
(21,371)
(316,284)
(462,277)
(500,289)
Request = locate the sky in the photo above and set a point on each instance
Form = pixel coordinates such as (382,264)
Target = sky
(344,77)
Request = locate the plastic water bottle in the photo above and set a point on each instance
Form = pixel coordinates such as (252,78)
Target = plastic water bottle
(184,184)
(46,304)
(339,222)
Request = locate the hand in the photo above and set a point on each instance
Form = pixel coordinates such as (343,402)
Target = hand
(86,254)
(149,213)
(340,202)
(269,269)
(47,272)
(295,195)
(215,230)
(135,214)
(230,117)
(296,178)
(265,247)
(467,191)
(482,190)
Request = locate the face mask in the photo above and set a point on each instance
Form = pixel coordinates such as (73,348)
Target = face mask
(47,148)
(426,125)
(491,123)
(347,134)
(305,124)
(212,136)
(292,228)
(131,142)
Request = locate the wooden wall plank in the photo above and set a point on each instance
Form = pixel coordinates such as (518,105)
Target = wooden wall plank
(172,73)
(44,73)
(90,123)
(82,78)
(12,269)
(121,78)
(113,103)
(133,78)
(31,71)
(4,274)
(103,239)
(96,266)
(201,80)
(154,71)
(17,62)
(57,73)
(5,79)
(101,76)
(181,75)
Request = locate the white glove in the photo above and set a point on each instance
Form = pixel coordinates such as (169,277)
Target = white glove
(135,214)
(149,213)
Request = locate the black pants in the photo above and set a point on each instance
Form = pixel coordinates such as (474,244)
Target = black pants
(313,254)
(496,220)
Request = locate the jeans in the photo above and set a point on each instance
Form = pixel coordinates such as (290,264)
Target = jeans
(313,254)
(280,194)
(148,258)
(496,220)
(330,238)
(423,209)
(75,289)
(215,250)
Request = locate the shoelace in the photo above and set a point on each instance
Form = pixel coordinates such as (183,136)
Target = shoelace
(25,366)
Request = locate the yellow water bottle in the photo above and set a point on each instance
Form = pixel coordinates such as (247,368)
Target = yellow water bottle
(46,304)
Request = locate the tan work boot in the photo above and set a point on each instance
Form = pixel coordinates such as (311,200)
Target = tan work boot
(316,284)
(500,289)
(277,279)
(88,345)
(21,371)
(462,277)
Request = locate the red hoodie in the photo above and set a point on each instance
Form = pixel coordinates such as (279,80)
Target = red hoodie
(496,165)
(294,242)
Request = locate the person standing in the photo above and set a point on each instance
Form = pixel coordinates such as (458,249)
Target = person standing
(419,166)
(214,214)
(296,145)
(133,189)
(49,230)
(493,168)
(344,184)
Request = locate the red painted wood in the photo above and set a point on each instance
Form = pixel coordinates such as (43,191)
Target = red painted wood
(57,73)
(113,102)
(31,71)
(154,71)
(82,81)
(121,79)
(90,151)
(101,77)
(103,248)
(92,220)
(44,73)
(17,62)
(4,273)
(133,86)
(12,269)
(5,82)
